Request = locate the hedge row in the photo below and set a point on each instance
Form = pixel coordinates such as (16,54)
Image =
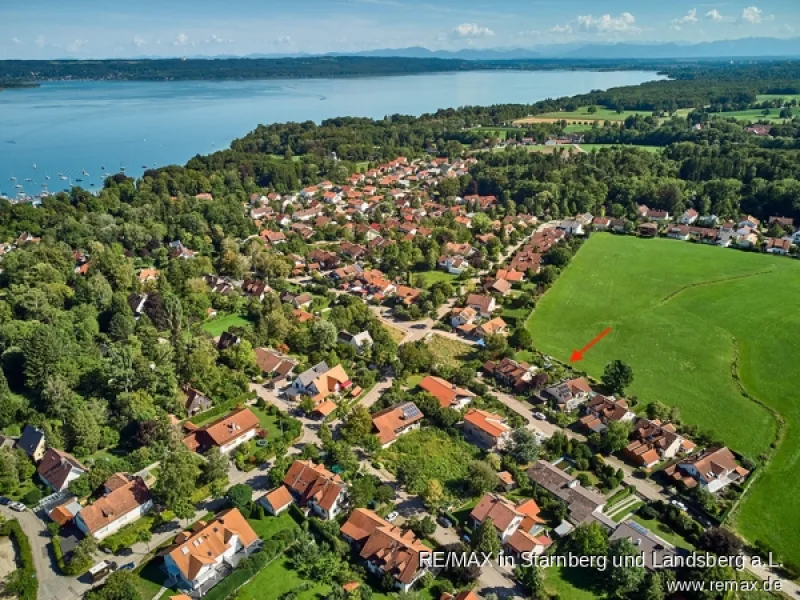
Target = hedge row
(27,571)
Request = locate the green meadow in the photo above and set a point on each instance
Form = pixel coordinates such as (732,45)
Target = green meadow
(681,314)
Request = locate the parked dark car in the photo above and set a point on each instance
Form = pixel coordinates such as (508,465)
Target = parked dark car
(128,567)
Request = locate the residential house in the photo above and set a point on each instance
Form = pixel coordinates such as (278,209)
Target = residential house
(32,442)
(276,501)
(662,216)
(385,548)
(301,301)
(486,429)
(358,342)
(748,221)
(408,295)
(273,238)
(125,500)
(483,305)
(178,250)
(455,265)
(510,373)
(320,381)
(654,549)
(506,516)
(146,275)
(571,226)
(782,221)
(392,422)
(583,505)
(226,433)
(255,288)
(496,326)
(569,395)
(462,316)
(648,230)
(58,468)
(679,232)
(601,223)
(746,240)
(601,410)
(510,275)
(779,246)
(713,470)
(448,394)
(316,489)
(654,441)
(499,286)
(689,217)
(209,550)
(274,365)
(196,401)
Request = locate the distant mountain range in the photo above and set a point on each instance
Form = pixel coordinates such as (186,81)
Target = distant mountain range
(741,48)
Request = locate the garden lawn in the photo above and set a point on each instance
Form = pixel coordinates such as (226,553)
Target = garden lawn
(786,97)
(678,312)
(150,579)
(435,276)
(218,325)
(663,532)
(429,454)
(396,333)
(270,526)
(447,351)
(572,584)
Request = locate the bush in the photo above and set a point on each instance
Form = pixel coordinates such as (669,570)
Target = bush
(33,497)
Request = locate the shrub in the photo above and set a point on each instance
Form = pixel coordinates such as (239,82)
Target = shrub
(33,497)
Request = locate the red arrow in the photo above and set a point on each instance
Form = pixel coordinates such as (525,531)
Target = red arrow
(578,354)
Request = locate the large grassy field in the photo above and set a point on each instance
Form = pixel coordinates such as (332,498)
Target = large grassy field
(678,313)
(753,114)
(216,326)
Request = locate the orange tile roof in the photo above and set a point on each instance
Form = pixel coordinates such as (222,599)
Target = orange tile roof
(444,391)
(116,504)
(279,497)
(490,423)
(209,541)
(392,420)
(232,426)
(308,481)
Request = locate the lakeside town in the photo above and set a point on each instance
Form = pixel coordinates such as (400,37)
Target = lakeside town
(405,409)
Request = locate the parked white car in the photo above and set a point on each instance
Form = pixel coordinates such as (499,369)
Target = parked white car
(392,516)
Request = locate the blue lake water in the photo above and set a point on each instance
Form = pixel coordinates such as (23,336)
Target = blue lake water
(69,127)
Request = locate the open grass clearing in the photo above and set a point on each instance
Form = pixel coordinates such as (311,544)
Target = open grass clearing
(270,526)
(447,351)
(753,114)
(594,147)
(784,97)
(428,454)
(218,325)
(679,314)
(572,584)
(397,334)
(435,276)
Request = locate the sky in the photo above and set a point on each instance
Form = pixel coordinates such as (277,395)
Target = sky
(113,29)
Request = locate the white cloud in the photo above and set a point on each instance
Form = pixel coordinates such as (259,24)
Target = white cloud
(560,29)
(284,39)
(215,39)
(16,40)
(472,30)
(40,41)
(754,15)
(715,15)
(689,18)
(181,40)
(139,42)
(624,23)
(77,45)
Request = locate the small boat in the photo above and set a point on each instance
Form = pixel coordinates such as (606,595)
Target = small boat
(47,177)
(102,168)
(144,166)
(79,180)
(28,179)
(85,173)
(63,177)
(18,186)
(13,178)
